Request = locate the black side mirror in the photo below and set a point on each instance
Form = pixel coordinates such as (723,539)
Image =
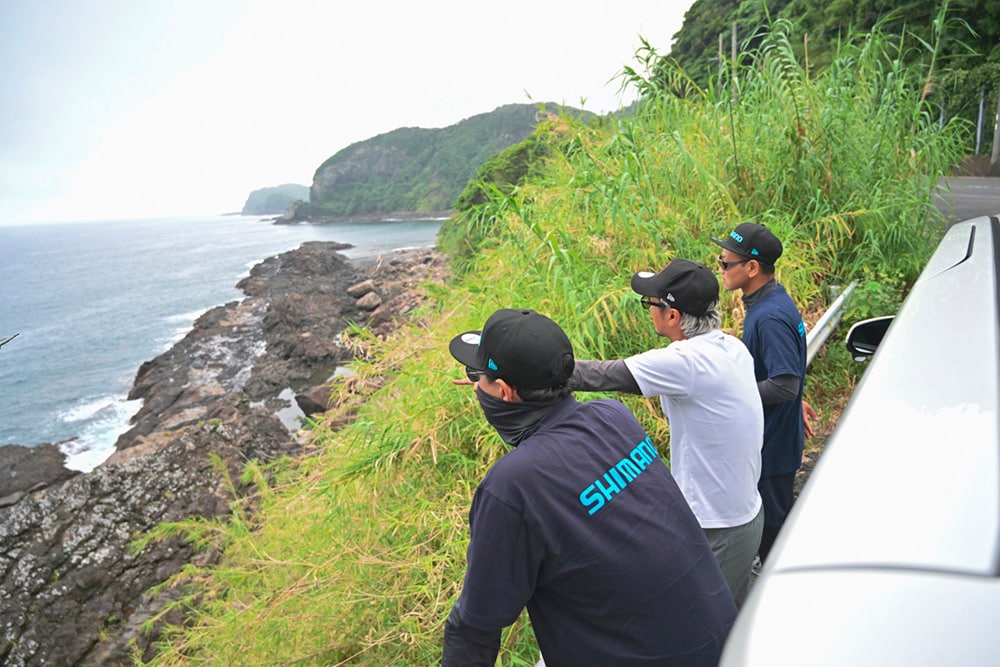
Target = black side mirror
(864,337)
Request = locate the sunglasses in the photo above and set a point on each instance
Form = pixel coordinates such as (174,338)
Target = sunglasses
(646,303)
(472,373)
(728,265)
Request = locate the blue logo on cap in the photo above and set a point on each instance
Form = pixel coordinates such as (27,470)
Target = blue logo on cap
(492,364)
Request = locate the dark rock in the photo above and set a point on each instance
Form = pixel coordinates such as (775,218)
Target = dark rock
(315,400)
(360,289)
(73,588)
(370,301)
(67,571)
(24,469)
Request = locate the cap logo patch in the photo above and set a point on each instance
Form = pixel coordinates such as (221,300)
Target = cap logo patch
(670,297)
(492,364)
(754,252)
(471,338)
(645,274)
(736,237)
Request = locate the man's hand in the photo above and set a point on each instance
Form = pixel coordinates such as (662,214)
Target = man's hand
(808,415)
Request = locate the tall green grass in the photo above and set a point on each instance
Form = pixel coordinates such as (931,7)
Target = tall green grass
(355,555)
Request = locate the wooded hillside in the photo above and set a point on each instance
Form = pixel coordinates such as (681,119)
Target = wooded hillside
(416,170)
(963,34)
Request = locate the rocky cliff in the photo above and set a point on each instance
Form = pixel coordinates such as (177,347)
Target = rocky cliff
(73,589)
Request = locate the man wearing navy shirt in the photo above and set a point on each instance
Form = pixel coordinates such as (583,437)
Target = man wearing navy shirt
(775,334)
(581,522)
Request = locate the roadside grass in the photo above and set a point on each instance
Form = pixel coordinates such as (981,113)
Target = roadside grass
(355,555)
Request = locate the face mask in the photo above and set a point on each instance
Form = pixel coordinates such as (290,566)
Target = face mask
(514,421)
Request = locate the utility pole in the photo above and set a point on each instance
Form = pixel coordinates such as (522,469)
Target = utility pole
(996,136)
(979,121)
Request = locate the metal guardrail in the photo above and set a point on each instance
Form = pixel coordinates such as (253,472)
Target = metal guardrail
(816,336)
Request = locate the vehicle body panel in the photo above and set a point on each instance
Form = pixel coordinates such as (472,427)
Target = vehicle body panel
(896,535)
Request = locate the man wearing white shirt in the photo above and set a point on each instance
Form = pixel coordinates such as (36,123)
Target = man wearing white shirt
(707,389)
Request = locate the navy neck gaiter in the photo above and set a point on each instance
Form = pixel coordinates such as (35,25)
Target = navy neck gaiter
(514,421)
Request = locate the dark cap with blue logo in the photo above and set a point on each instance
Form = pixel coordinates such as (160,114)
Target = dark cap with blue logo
(526,349)
(754,241)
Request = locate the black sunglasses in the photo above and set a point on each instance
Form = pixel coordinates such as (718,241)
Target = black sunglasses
(646,303)
(728,265)
(472,373)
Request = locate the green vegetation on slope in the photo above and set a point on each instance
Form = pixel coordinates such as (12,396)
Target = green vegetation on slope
(967,66)
(355,555)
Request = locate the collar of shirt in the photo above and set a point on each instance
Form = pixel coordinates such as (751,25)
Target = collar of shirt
(767,288)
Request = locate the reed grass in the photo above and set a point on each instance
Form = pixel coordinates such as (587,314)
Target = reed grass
(354,556)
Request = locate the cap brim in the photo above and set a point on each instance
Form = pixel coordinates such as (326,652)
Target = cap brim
(465,348)
(725,244)
(645,283)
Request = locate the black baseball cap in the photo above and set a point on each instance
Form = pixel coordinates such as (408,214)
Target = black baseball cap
(526,349)
(754,241)
(688,286)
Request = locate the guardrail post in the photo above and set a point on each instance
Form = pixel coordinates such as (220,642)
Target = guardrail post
(816,336)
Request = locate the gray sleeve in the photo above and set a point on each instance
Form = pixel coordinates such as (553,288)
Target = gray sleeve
(603,376)
(778,389)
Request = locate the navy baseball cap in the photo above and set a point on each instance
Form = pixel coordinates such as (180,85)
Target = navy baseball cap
(526,349)
(754,241)
(688,286)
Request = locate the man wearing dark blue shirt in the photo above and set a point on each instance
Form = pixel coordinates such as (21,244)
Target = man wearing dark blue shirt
(775,334)
(581,522)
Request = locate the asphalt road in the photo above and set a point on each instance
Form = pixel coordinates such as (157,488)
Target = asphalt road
(965,197)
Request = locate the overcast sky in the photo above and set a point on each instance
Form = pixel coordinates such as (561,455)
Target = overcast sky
(148,108)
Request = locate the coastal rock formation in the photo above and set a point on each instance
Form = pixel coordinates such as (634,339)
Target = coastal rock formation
(27,469)
(74,587)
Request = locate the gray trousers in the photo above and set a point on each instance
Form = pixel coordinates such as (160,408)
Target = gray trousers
(734,550)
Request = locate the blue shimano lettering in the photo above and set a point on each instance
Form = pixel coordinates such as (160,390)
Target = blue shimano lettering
(641,457)
(609,488)
(628,470)
(618,477)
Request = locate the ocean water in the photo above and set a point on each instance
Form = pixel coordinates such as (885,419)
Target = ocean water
(89,302)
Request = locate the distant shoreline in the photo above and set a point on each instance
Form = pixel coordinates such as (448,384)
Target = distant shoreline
(368,217)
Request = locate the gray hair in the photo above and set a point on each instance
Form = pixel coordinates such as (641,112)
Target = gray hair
(694,325)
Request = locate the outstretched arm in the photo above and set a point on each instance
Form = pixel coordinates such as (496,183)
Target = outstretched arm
(612,375)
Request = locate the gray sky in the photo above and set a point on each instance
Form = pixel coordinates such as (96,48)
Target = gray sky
(147,108)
